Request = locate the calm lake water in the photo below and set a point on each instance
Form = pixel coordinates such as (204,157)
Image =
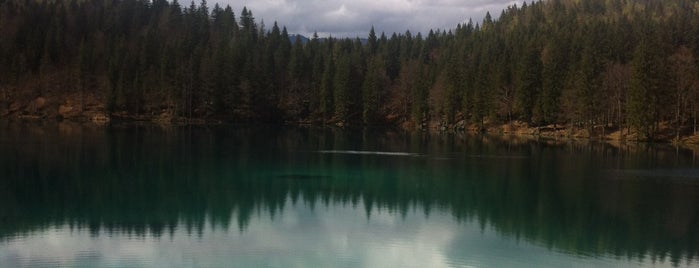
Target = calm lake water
(241,196)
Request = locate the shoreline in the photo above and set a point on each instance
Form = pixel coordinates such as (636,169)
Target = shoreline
(94,111)
(562,133)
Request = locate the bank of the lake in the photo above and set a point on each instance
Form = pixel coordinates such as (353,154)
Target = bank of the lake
(91,109)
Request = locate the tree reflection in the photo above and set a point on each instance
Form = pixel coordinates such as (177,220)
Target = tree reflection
(142,179)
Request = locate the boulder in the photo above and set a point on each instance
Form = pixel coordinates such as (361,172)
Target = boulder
(39,103)
(99,118)
(165,116)
(36,105)
(14,107)
(64,110)
(461,125)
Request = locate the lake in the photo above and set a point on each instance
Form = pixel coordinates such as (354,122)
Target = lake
(131,195)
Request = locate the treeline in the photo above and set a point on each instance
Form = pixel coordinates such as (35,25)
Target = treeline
(584,63)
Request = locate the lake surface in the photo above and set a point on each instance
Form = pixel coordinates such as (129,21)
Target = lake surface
(242,196)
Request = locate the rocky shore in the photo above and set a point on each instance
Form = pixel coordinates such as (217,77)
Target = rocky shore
(90,108)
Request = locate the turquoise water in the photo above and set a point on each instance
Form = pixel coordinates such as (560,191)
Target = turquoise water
(242,196)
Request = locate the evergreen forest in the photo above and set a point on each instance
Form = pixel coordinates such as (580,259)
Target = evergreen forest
(582,63)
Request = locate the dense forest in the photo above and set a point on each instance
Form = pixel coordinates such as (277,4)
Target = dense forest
(581,63)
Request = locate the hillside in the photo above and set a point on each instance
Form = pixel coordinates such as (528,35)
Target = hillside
(593,66)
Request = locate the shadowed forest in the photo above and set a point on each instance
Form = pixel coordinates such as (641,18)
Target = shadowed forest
(618,64)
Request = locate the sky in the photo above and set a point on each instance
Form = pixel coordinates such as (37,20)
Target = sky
(354,18)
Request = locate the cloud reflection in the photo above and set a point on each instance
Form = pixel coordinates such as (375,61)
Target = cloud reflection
(327,236)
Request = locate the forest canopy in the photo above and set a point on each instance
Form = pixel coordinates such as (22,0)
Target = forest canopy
(623,63)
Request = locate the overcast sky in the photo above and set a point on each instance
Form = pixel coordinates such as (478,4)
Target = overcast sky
(352,18)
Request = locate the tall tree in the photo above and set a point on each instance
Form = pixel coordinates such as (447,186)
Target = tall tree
(645,93)
(686,84)
(529,82)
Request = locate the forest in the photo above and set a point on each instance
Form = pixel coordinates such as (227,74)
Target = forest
(614,64)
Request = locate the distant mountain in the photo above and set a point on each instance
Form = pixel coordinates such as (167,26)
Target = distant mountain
(304,40)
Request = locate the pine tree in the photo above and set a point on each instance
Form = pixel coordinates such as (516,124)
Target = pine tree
(342,87)
(374,81)
(529,82)
(643,109)
(554,65)
(372,42)
(327,88)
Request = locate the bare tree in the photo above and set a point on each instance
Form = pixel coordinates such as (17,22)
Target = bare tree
(615,83)
(686,84)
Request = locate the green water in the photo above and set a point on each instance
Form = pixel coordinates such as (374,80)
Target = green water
(242,196)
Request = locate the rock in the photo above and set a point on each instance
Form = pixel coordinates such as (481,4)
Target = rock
(64,110)
(408,125)
(99,118)
(508,128)
(164,117)
(583,133)
(36,105)
(461,125)
(39,103)
(14,107)
(4,108)
(391,118)
(29,117)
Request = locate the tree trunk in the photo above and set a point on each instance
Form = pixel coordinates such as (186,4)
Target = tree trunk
(618,103)
(604,130)
(82,95)
(695,120)
(677,115)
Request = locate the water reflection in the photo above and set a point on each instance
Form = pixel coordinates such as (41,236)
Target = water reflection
(150,183)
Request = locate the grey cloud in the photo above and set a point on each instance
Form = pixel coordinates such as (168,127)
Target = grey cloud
(343,18)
